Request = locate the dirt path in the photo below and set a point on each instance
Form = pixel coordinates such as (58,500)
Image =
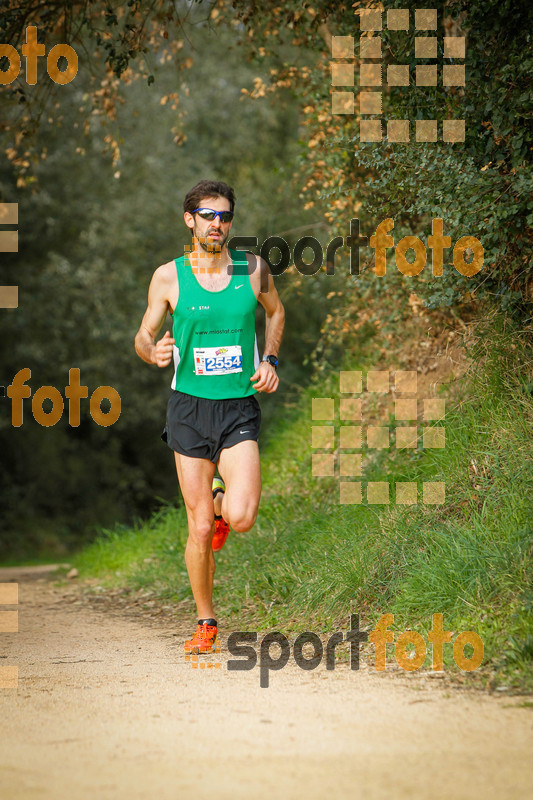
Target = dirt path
(107,708)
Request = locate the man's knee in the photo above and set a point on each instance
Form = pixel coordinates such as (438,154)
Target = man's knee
(241,519)
(200,532)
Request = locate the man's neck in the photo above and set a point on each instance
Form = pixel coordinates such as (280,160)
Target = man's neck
(210,261)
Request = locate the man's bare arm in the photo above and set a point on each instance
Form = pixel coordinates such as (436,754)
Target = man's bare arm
(266,375)
(154,316)
(275,315)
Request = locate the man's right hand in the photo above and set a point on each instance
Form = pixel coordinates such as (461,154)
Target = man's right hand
(163,350)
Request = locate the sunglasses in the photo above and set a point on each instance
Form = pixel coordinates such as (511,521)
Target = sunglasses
(209,214)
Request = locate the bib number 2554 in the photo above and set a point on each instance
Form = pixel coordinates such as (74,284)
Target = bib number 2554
(217,360)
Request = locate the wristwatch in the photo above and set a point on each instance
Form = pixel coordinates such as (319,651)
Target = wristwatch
(271,360)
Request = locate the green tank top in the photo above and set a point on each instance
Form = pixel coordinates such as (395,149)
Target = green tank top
(215,350)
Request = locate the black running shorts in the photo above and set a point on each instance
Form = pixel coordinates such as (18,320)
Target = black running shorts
(201,428)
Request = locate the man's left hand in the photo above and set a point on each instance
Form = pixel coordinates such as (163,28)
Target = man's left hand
(266,377)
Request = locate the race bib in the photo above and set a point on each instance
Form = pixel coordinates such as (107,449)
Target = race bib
(218,360)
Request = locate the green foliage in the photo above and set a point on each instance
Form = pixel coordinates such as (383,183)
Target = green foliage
(482,187)
(91,235)
(89,243)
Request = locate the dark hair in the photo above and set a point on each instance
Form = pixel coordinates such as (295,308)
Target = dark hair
(208,189)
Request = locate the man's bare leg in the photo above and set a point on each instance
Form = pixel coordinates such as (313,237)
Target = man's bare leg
(195,476)
(218,503)
(240,469)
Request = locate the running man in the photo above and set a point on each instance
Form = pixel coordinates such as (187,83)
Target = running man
(213,416)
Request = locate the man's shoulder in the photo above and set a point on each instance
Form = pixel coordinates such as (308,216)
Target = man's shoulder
(258,270)
(166,273)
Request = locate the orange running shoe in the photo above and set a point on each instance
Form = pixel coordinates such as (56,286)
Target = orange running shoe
(221,526)
(220,535)
(204,638)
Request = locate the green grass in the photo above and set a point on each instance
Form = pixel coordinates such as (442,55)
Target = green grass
(309,562)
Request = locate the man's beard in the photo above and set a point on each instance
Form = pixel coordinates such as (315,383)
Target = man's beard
(210,247)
